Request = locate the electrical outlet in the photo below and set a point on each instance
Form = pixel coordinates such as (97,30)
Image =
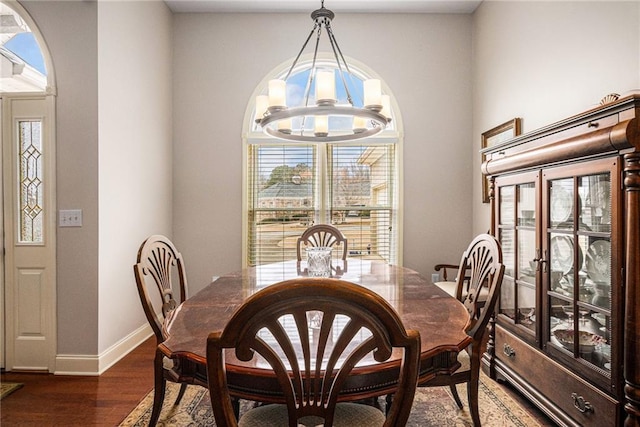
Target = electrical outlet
(70,218)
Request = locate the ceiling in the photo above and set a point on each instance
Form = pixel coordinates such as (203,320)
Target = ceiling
(306,6)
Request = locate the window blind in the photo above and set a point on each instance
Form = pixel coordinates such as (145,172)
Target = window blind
(282,199)
(362,188)
(292,186)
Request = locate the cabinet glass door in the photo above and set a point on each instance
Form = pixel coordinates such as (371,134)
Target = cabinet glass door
(516,230)
(579,274)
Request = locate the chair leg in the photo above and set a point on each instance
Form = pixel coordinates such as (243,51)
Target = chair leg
(472,395)
(158,391)
(456,396)
(472,385)
(183,388)
(235,402)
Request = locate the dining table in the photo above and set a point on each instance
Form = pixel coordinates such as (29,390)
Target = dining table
(441,320)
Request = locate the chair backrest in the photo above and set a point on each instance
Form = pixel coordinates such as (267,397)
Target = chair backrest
(277,323)
(159,263)
(483,264)
(322,235)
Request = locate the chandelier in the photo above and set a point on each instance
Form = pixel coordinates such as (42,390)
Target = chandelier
(312,119)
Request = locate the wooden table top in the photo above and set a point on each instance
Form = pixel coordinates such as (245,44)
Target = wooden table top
(438,317)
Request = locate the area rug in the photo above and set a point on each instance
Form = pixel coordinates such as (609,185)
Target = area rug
(431,407)
(7,388)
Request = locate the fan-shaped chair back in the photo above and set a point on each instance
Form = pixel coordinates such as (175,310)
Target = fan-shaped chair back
(322,235)
(159,264)
(483,259)
(310,331)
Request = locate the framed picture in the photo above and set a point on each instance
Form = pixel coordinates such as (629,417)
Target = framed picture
(493,137)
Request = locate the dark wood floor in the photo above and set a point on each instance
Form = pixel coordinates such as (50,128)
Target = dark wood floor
(53,400)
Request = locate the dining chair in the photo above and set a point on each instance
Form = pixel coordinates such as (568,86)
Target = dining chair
(157,265)
(453,287)
(310,332)
(483,261)
(322,235)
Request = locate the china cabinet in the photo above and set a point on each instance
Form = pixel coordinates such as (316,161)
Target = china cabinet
(565,203)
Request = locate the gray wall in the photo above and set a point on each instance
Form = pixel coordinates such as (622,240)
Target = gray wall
(135,151)
(69,29)
(114,159)
(545,61)
(424,59)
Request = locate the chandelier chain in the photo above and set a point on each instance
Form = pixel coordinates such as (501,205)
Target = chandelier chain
(304,46)
(336,51)
(307,89)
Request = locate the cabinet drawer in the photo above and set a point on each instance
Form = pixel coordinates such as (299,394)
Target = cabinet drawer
(556,383)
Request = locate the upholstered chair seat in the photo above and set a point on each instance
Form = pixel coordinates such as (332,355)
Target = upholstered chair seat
(346,415)
(451,288)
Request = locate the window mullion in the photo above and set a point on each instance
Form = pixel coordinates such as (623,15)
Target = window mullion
(323,187)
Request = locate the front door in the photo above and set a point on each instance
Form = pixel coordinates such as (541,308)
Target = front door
(29,232)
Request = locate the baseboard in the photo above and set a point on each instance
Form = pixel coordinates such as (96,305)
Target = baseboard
(94,365)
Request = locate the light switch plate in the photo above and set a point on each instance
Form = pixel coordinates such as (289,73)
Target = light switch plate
(70,218)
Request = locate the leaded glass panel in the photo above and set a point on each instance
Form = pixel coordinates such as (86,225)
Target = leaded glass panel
(31,210)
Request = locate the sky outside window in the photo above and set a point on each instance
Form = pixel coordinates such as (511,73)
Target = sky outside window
(26,47)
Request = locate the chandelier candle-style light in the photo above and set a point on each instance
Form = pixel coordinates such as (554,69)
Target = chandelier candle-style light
(277,119)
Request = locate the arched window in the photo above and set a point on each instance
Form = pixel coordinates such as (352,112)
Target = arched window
(291,185)
(20,55)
